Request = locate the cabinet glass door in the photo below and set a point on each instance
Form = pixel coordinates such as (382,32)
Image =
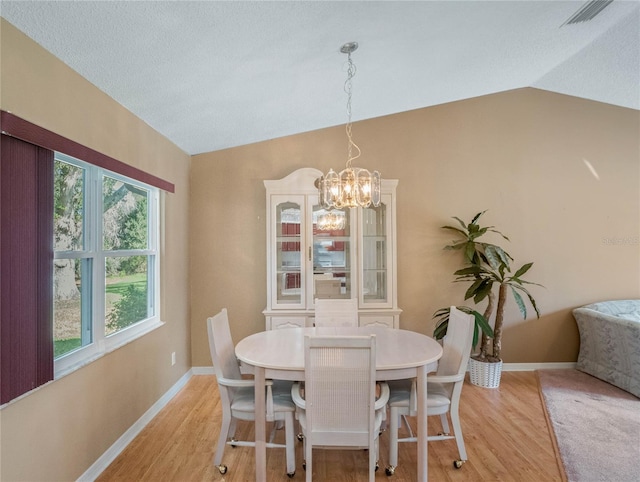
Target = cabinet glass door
(332,251)
(375,262)
(288,254)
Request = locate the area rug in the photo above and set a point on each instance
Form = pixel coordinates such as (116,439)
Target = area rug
(596,425)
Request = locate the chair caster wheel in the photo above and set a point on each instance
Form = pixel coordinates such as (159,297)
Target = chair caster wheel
(390,470)
(304,466)
(291,474)
(458,463)
(377,467)
(300,437)
(222,469)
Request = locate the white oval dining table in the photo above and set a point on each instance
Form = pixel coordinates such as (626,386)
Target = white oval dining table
(279,355)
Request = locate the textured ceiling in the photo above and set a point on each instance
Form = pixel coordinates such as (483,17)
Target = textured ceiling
(210,75)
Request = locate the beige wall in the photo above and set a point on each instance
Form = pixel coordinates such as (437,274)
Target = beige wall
(519,154)
(59,430)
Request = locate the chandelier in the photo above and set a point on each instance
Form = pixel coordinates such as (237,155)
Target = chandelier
(331,220)
(354,186)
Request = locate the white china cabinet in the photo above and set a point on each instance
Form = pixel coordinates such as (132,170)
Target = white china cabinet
(343,253)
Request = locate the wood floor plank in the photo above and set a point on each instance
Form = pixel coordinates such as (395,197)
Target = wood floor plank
(505,430)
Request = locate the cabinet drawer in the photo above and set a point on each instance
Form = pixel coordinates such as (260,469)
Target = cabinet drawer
(377,320)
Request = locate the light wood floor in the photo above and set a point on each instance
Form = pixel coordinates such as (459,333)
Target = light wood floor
(505,430)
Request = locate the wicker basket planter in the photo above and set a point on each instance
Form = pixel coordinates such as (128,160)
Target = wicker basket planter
(484,374)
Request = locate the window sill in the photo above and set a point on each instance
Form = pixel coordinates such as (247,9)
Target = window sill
(108,347)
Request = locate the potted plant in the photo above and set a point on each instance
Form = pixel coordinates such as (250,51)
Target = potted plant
(486,266)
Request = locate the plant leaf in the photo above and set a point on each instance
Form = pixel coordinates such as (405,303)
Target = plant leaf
(471,291)
(464,226)
(498,232)
(483,324)
(476,334)
(477,216)
(523,269)
(531,300)
(483,291)
(504,256)
(530,283)
(520,302)
(493,257)
(533,303)
(501,271)
(441,329)
(458,230)
(470,250)
(473,270)
(440,312)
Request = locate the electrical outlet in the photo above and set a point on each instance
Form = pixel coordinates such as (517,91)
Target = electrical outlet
(173,358)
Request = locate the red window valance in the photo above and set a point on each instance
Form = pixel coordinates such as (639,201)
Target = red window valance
(19,128)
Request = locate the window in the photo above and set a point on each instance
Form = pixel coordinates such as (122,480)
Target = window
(105,273)
(27,153)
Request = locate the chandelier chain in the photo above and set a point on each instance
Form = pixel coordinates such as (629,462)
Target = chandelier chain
(348,88)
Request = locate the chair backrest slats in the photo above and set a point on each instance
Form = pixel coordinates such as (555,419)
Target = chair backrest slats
(336,312)
(340,389)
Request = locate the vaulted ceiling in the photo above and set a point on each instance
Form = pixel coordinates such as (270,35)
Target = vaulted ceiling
(211,74)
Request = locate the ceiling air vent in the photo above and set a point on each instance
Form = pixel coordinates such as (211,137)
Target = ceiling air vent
(587,11)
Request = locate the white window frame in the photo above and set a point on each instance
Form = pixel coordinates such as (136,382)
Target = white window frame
(93,249)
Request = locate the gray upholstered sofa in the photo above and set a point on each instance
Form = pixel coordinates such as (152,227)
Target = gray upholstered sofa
(610,342)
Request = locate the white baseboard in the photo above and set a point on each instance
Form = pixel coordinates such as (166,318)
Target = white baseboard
(119,445)
(527,367)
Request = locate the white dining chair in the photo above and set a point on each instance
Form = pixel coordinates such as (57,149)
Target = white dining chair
(336,312)
(443,391)
(238,398)
(339,408)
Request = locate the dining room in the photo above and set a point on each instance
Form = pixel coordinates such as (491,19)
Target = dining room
(552,157)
